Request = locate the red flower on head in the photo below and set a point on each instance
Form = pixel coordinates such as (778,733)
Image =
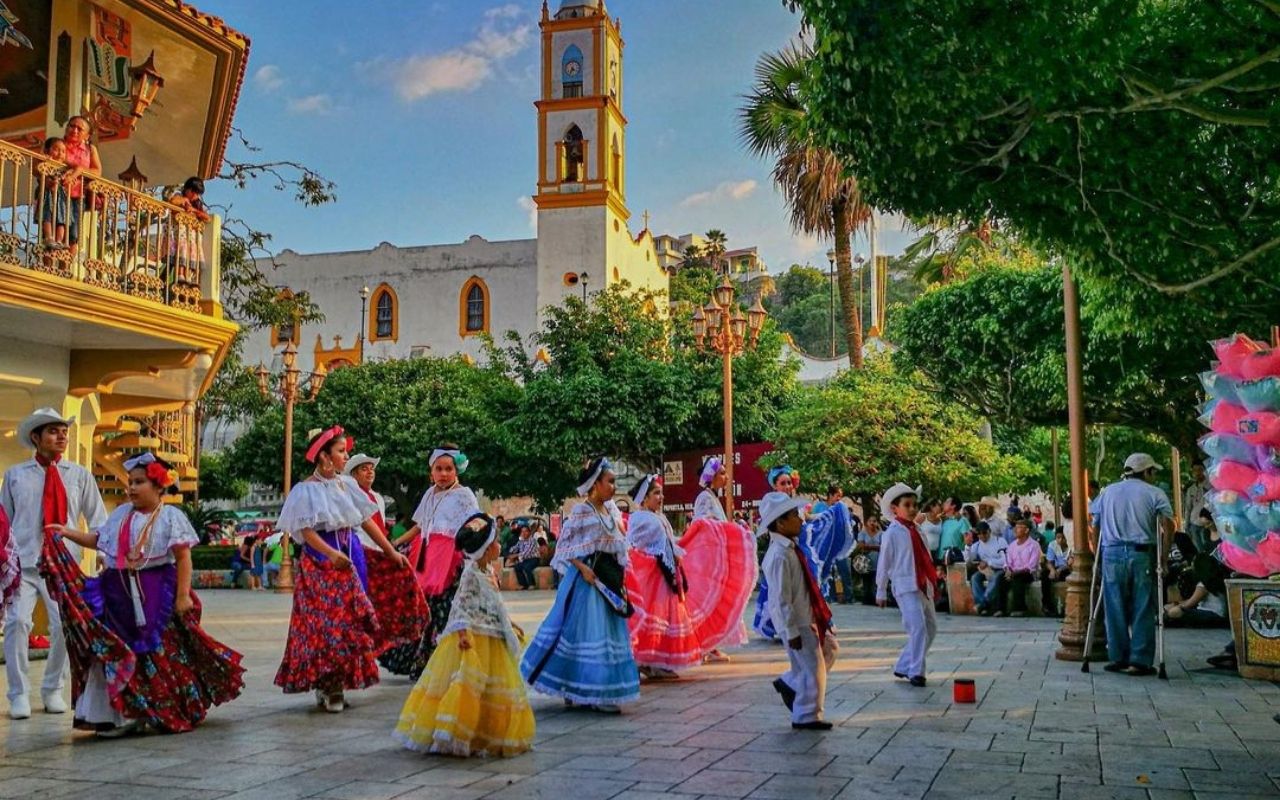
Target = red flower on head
(159,474)
(351,444)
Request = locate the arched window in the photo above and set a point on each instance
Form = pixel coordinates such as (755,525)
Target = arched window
(473,308)
(571,72)
(617,165)
(573,155)
(288,331)
(384,314)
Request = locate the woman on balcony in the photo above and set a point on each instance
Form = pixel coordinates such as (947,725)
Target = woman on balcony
(333,630)
(82,157)
(445,507)
(138,654)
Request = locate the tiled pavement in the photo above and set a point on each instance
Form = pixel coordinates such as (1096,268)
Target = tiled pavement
(1041,728)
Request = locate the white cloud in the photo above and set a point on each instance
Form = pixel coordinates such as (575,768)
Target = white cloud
(311,104)
(729,191)
(529,207)
(268,78)
(504,33)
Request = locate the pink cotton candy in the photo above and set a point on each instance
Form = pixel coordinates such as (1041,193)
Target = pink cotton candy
(1265,489)
(1225,418)
(1232,352)
(1241,560)
(1262,427)
(1269,552)
(1232,476)
(1262,364)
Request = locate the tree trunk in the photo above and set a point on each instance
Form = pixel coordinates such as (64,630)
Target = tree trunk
(844,275)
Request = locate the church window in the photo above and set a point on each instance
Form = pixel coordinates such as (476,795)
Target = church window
(572,156)
(384,315)
(473,311)
(617,166)
(571,72)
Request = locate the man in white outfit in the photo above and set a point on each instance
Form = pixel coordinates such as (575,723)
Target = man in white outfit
(906,564)
(42,491)
(800,615)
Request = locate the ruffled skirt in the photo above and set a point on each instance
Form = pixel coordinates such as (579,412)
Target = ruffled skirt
(411,658)
(582,651)
(826,538)
(662,634)
(720,563)
(468,702)
(402,612)
(332,632)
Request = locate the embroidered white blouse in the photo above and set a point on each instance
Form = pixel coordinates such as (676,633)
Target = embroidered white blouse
(445,512)
(20,496)
(366,539)
(586,531)
(652,533)
(478,607)
(707,506)
(325,504)
(171,529)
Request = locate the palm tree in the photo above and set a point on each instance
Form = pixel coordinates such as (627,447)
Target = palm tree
(823,197)
(715,247)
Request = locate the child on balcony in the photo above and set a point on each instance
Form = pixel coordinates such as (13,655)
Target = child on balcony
(52,197)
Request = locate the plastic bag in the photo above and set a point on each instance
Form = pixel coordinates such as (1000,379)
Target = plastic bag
(1261,364)
(1266,489)
(1229,502)
(1259,395)
(1220,387)
(1224,445)
(1262,427)
(1226,475)
(1223,417)
(1243,561)
(1238,529)
(1232,352)
(1264,516)
(1266,457)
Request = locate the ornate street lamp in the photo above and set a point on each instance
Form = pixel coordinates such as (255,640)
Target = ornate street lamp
(364,297)
(290,392)
(721,327)
(831,298)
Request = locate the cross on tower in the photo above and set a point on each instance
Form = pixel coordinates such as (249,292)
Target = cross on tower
(646,219)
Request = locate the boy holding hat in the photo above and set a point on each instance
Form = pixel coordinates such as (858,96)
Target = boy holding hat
(905,562)
(800,615)
(45,490)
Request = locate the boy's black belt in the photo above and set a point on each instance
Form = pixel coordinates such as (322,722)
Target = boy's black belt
(1137,548)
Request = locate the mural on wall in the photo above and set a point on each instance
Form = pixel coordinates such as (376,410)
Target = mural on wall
(110,48)
(24,64)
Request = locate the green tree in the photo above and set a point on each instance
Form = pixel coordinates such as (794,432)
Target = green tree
(822,196)
(872,427)
(713,251)
(399,411)
(217,481)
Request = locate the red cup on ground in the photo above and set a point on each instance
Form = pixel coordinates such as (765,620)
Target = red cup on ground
(964,691)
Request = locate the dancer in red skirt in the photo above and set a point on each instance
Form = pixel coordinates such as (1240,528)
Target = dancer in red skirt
(138,654)
(333,631)
(393,589)
(445,507)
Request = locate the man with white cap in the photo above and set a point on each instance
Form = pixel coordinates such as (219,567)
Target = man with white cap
(906,564)
(1131,514)
(363,469)
(45,490)
(1001,530)
(800,615)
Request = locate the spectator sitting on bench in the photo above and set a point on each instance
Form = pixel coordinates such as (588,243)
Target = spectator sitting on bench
(525,558)
(986,555)
(1021,565)
(1058,562)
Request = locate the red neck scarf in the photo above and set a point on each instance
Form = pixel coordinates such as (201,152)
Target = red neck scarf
(926,575)
(821,611)
(377,515)
(54,500)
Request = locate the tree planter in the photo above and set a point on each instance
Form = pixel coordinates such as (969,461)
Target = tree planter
(1255,625)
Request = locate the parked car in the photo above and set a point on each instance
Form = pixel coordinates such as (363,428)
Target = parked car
(254,527)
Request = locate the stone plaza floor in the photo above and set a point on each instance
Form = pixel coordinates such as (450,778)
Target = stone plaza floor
(1040,728)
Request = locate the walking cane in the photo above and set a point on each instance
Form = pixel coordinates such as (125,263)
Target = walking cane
(1164,676)
(1095,600)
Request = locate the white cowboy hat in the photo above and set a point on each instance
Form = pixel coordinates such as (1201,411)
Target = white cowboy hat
(892,494)
(989,501)
(38,419)
(359,460)
(774,505)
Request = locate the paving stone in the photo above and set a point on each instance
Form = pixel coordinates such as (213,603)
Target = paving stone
(787,787)
(724,783)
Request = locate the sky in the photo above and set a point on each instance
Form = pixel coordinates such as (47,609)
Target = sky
(422,113)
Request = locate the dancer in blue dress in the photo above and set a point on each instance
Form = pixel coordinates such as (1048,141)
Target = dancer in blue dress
(582,651)
(825,539)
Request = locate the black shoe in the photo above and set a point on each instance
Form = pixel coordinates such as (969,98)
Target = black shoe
(902,675)
(1223,661)
(816,725)
(1139,671)
(1116,666)
(788,694)
(917,680)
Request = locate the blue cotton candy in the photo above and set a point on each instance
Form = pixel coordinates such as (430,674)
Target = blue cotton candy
(1238,527)
(1263,516)
(1220,446)
(1220,387)
(1260,395)
(1228,503)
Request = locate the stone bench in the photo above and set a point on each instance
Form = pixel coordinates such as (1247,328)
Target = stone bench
(544,578)
(960,596)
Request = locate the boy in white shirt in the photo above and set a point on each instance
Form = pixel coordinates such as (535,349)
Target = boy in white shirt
(800,615)
(905,562)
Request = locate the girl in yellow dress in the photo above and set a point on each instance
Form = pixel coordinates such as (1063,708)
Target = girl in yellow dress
(471,699)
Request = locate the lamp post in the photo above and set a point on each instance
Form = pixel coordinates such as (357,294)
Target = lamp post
(288,386)
(831,297)
(721,327)
(582,279)
(364,297)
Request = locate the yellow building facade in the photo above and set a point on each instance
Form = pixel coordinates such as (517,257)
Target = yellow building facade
(120,324)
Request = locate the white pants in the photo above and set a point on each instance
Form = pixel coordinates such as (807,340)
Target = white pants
(921,624)
(807,678)
(94,704)
(17,627)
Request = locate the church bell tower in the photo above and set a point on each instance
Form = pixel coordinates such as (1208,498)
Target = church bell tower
(582,164)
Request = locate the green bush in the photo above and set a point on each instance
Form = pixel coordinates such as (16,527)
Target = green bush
(212,557)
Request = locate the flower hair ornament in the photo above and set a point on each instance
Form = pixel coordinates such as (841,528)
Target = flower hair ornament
(158,472)
(319,439)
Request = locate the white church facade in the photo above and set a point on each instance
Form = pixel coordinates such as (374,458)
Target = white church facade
(438,299)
